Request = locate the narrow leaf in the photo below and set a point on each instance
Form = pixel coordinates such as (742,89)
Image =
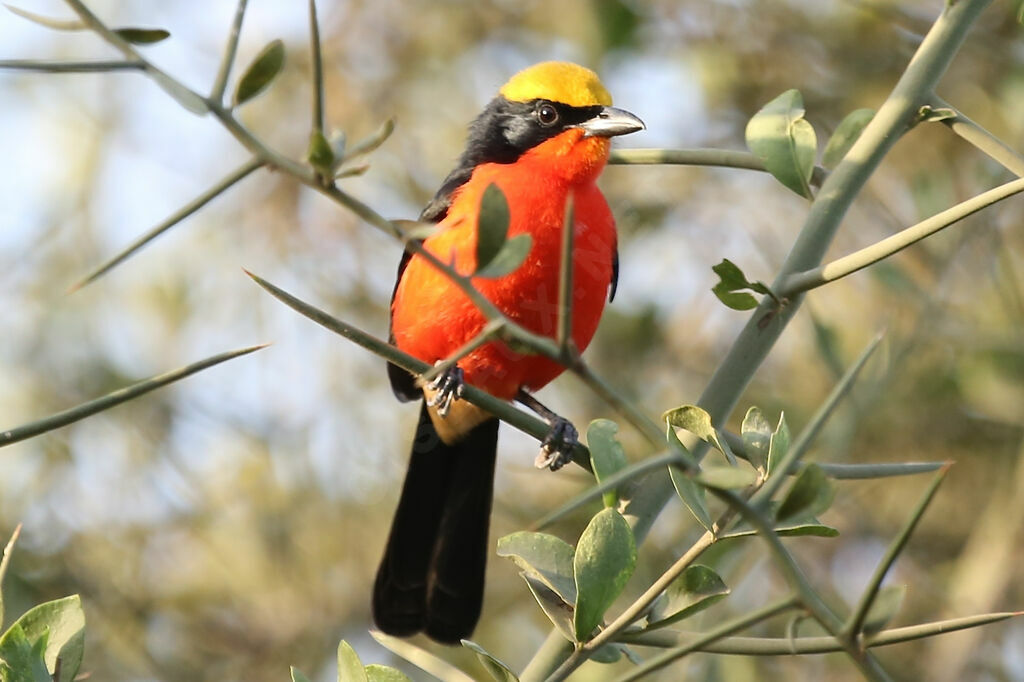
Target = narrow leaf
(554,607)
(604,561)
(181,94)
(48,22)
(609,653)
(383,673)
(419,657)
(371,141)
(695,590)
(181,214)
(496,668)
(779,444)
(789,531)
(811,494)
(606,455)
(757,434)
(114,398)
(545,558)
(260,73)
(881,470)
(298,675)
(726,477)
(511,256)
(142,36)
(350,668)
(692,494)
(784,141)
(492,226)
(884,608)
(846,134)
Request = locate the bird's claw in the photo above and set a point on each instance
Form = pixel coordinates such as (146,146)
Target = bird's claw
(556,449)
(447,387)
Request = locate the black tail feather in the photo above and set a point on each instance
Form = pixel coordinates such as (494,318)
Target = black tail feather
(431,578)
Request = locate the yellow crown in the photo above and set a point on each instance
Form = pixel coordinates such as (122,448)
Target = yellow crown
(562,82)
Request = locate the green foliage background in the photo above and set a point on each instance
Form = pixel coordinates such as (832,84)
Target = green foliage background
(230,526)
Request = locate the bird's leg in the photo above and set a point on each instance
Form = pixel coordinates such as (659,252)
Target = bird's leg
(556,448)
(446,388)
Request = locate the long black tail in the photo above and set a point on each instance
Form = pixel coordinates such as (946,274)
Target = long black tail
(431,578)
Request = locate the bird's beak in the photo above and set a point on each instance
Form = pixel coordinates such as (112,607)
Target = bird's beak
(611,122)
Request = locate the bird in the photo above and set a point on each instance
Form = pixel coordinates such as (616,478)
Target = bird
(542,140)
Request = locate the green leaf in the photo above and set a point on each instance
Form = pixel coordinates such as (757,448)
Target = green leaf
(511,256)
(543,557)
(779,444)
(606,455)
(810,528)
(884,608)
(497,669)
(757,435)
(554,607)
(319,153)
(698,422)
(847,132)
(784,141)
(350,668)
(142,36)
(263,69)
(384,673)
(735,300)
(20,659)
(811,494)
(62,623)
(604,561)
(731,281)
(695,590)
(298,675)
(726,477)
(492,226)
(692,495)
(609,653)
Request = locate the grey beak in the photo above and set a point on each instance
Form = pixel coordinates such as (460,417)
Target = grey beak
(611,122)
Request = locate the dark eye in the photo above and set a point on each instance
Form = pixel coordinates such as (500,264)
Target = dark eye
(547,114)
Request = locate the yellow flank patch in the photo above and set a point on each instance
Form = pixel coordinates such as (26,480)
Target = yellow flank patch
(562,82)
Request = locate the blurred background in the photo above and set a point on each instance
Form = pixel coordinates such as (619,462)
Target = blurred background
(230,526)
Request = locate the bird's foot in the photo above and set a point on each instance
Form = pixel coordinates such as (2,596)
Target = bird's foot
(446,388)
(556,448)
